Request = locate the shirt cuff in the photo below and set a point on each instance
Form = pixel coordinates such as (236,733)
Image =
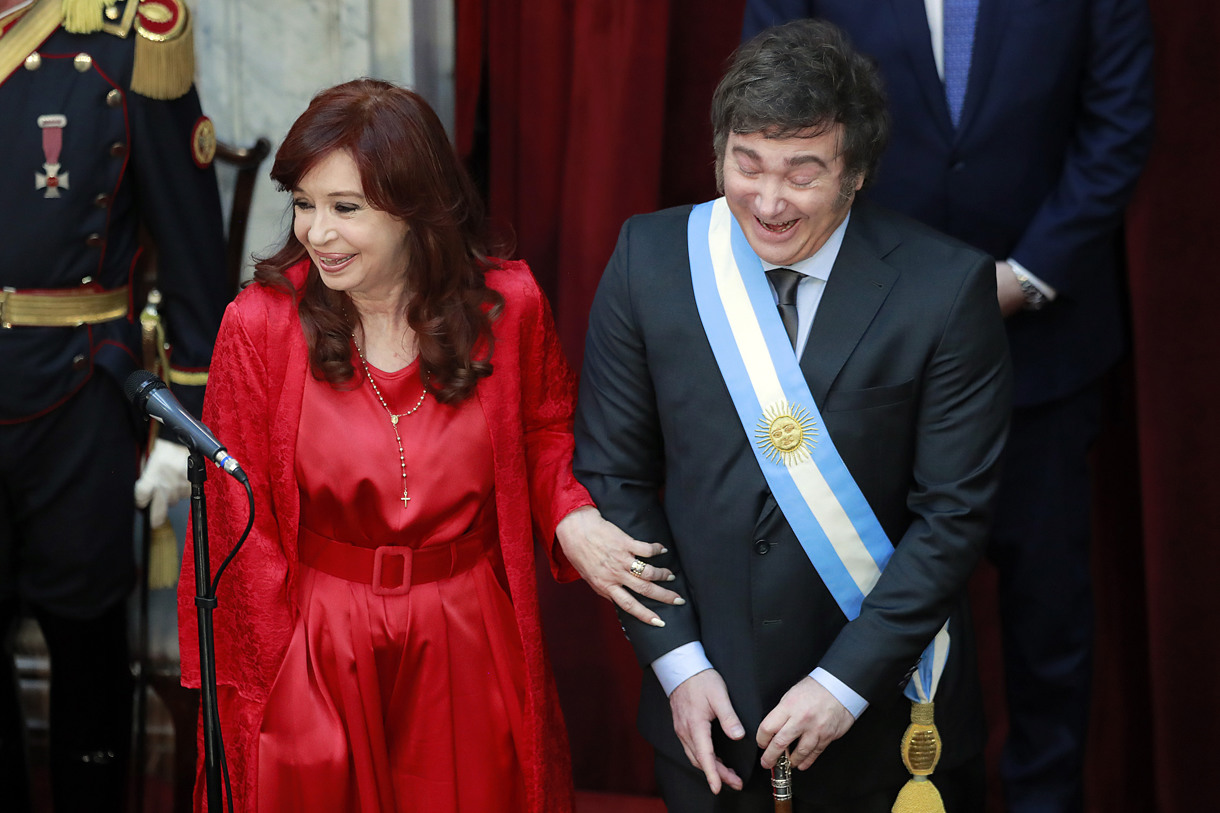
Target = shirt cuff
(677,665)
(1047,291)
(688,660)
(839,691)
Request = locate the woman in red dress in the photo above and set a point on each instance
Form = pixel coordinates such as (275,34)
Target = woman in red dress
(402,406)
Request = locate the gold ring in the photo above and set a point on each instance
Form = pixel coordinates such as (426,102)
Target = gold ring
(637,568)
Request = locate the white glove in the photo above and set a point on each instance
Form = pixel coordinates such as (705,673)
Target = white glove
(163,481)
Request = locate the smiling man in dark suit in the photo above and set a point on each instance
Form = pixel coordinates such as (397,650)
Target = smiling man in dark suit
(1021,127)
(805,399)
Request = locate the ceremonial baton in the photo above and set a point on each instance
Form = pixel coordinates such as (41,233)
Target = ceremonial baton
(781,784)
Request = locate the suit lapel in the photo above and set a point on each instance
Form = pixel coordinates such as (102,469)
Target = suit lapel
(912,20)
(988,38)
(912,17)
(859,283)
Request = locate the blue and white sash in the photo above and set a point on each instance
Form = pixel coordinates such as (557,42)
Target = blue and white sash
(833,521)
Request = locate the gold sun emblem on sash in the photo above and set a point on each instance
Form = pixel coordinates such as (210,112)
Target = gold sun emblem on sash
(786,433)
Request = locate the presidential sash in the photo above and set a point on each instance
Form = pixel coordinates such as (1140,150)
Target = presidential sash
(821,501)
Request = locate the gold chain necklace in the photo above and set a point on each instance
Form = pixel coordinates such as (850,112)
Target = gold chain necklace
(402,457)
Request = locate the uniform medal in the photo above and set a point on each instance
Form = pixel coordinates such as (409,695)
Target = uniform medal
(51,179)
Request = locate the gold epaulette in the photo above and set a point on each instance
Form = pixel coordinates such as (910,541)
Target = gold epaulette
(85,16)
(165,50)
(164,66)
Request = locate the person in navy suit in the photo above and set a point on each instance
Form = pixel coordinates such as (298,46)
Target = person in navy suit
(1021,128)
(103,136)
(891,333)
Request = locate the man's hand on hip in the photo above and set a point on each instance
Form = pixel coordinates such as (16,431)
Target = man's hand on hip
(807,719)
(697,701)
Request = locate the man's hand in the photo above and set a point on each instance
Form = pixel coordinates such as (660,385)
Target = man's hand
(697,701)
(808,716)
(603,555)
(163,481)
(1008,290)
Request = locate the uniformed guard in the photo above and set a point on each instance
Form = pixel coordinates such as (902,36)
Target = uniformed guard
(101,133)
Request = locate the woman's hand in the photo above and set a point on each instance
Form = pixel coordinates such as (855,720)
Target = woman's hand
(604,556)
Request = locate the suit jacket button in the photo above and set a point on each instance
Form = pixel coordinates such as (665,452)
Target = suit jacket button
(761,546)
(33,62)
(94,241)
(101,201)
(118,149)
(114,98)
(79,362)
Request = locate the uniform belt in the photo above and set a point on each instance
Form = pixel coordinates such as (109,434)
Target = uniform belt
(66,308)
(391,570)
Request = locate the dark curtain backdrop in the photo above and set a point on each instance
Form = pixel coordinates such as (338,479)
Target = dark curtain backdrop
(1174,287)
(584,113)
(591,111)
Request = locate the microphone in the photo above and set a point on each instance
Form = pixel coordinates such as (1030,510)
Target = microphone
(150,394)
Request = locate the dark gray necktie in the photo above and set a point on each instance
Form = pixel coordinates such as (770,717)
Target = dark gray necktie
(785,280)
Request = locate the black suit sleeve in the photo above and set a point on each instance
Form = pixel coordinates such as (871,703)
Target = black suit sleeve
(961,428)
(179,203)
(1110,143)
(619,445)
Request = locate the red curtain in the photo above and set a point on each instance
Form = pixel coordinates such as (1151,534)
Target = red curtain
(598,109)
(1175,279)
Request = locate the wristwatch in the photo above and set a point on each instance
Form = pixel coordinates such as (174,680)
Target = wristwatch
(1035,300)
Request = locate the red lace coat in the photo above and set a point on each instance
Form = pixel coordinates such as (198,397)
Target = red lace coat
(253,406)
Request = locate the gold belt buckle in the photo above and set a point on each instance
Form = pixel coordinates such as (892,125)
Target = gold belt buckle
(379,555)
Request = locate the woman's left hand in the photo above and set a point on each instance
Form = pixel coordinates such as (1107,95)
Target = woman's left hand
(604,556)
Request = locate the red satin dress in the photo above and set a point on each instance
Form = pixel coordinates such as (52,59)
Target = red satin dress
(411,701)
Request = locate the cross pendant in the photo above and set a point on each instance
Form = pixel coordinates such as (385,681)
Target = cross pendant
(406,498)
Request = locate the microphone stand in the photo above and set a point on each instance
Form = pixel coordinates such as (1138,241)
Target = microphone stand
(205,602)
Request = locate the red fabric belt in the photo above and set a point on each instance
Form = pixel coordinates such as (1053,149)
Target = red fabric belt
(390,570)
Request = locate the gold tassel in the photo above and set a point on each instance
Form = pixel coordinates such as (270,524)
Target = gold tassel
(919,795)
(163,558)
(920,753)
(165,68)
(84,16)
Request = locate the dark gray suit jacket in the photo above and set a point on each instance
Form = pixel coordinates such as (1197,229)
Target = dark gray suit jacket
(908,363)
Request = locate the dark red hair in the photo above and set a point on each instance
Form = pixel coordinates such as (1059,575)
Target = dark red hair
(409,170)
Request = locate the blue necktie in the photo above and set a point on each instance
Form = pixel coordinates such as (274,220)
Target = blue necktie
(960,16)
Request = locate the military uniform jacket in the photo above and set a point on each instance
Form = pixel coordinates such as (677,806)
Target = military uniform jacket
(124,160)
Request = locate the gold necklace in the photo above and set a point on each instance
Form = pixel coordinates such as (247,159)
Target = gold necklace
(402,457)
